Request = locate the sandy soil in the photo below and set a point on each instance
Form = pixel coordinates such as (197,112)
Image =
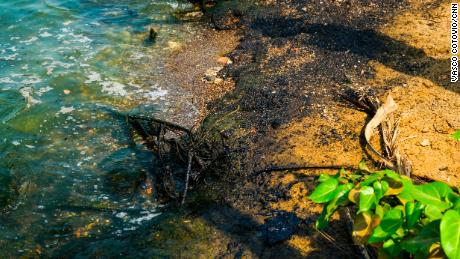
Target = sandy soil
(291,68)
(292,63)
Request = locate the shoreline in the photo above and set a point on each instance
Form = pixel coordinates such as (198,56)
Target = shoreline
(295,61)
(291,64)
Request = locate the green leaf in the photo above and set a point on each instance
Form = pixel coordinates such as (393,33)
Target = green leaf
(433,212)
(450,234)
(324,177)
(329,209)
(391,222)
(456,135)
(369,179)
(413,213)
(431,194)
(392,174)
(367,199)
(378,189)
(379,211)
(423,240)
(391,248)
(455,200)
(362,227)
(442,188)
(326,191)
(395,186)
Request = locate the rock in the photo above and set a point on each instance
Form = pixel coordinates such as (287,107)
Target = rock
(66,91)
(224,60)
(211,74)
(425,143)
(280,227)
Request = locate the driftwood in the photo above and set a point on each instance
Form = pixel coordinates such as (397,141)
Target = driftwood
(175,144)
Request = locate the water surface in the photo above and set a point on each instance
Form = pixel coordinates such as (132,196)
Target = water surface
(68,168)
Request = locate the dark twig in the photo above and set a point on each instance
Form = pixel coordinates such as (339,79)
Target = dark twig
(187,177)
(297,168)
(165,123)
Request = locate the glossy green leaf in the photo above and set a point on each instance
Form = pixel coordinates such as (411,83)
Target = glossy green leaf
(326,191)
(391,221)
(433,212)
(329,209)
(378,189)
(450,234)
(431,194)
(379,211)
(369,179)
(442,188)
(413,213)
(324,177)
(392,174)
(455,200)
(423,240)
(367,199)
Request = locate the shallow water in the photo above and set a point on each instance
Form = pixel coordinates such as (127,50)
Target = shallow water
(66,69)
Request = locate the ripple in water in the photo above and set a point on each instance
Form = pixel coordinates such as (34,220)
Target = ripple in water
(67,167)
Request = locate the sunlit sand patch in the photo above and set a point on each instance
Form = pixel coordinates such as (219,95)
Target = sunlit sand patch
(428,111)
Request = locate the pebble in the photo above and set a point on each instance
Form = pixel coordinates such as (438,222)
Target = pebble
(425,143)
(66,91)
(211,74)
(224,60)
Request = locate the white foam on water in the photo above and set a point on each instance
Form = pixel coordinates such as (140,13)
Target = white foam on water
(29,41)
(114,88)
(10,57)
(93,77)
(65,110)
(6,80)
(43,90)
(45,34)
(147,217)
(26,92)
(31,80)
(121,215)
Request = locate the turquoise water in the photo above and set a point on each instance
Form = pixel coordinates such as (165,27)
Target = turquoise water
(68,168)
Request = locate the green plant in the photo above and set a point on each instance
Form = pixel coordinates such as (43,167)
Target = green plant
(393,214)
(456,135)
